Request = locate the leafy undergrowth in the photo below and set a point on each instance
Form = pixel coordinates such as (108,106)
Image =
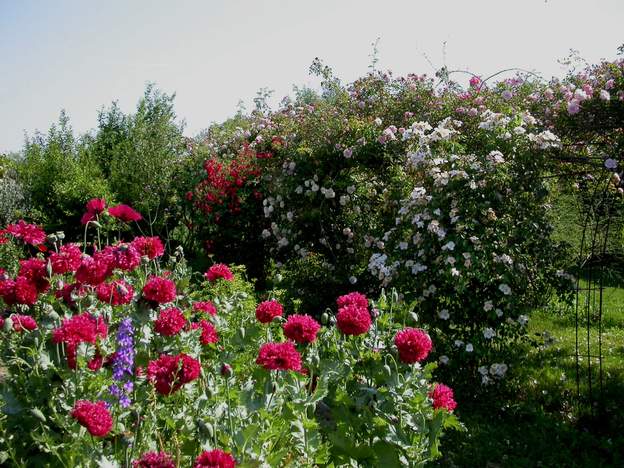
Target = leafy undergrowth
(538,420)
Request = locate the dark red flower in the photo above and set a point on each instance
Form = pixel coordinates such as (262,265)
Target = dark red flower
(69,290)
(268,310)
(442,397)
(25,291)
(214,459)
(83,328)
(219,270)
(301,328)
(117,292)
(169,322)
(169,373)
(35,270)
(205,306)
(66,260)
(354,298)
(413,344)
(94,207)
(122,256)
(209,333)
(94,416)
(151,247)
(23,322)
(159,290)
(124,213)
(279,356)
(29,233)
(353,320)
(94,270)
(154,460)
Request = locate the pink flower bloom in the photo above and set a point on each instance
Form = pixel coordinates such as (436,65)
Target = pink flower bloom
(169,322)
(217,271)
(124,213)
(209,333)
(160,290)
(205,306)
(354,298)
(29,233)
(23,322)
(442,397)
(353,320)
(413,344)
(268,310)
(573,107)
(151,247)
(279,356)
(301,328)
(67,259)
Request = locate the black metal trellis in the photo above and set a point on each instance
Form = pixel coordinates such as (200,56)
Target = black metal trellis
(597,213)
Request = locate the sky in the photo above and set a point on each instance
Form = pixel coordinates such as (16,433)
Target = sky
(81,55)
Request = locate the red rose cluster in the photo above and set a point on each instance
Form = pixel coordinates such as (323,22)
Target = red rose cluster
(353,317)
(223,182)
(94,416)
(169,373)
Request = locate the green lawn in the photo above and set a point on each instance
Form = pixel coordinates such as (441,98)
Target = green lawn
(537,420)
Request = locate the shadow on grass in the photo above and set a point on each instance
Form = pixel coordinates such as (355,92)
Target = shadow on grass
(537,419)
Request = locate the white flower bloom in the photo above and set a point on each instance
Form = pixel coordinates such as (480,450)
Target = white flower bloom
(455,272)
(444,359)
(523,320)
(610,163)
(498,369)
(329,193)
(350,189)
(348,153)
(459,343)
(344,199)
(483,370)
(505,289)
(469,348)
(444,314)
(352,279)
(604,95)
(487,306)
(450,245)
(499,313)
(377,121)
(489,333)
(403,245)
(266,234)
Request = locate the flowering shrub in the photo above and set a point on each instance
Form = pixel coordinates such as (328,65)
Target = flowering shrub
(147,364)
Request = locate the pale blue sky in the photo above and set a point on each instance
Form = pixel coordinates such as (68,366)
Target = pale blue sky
(81,54)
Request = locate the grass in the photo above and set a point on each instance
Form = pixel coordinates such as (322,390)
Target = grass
(537,420)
